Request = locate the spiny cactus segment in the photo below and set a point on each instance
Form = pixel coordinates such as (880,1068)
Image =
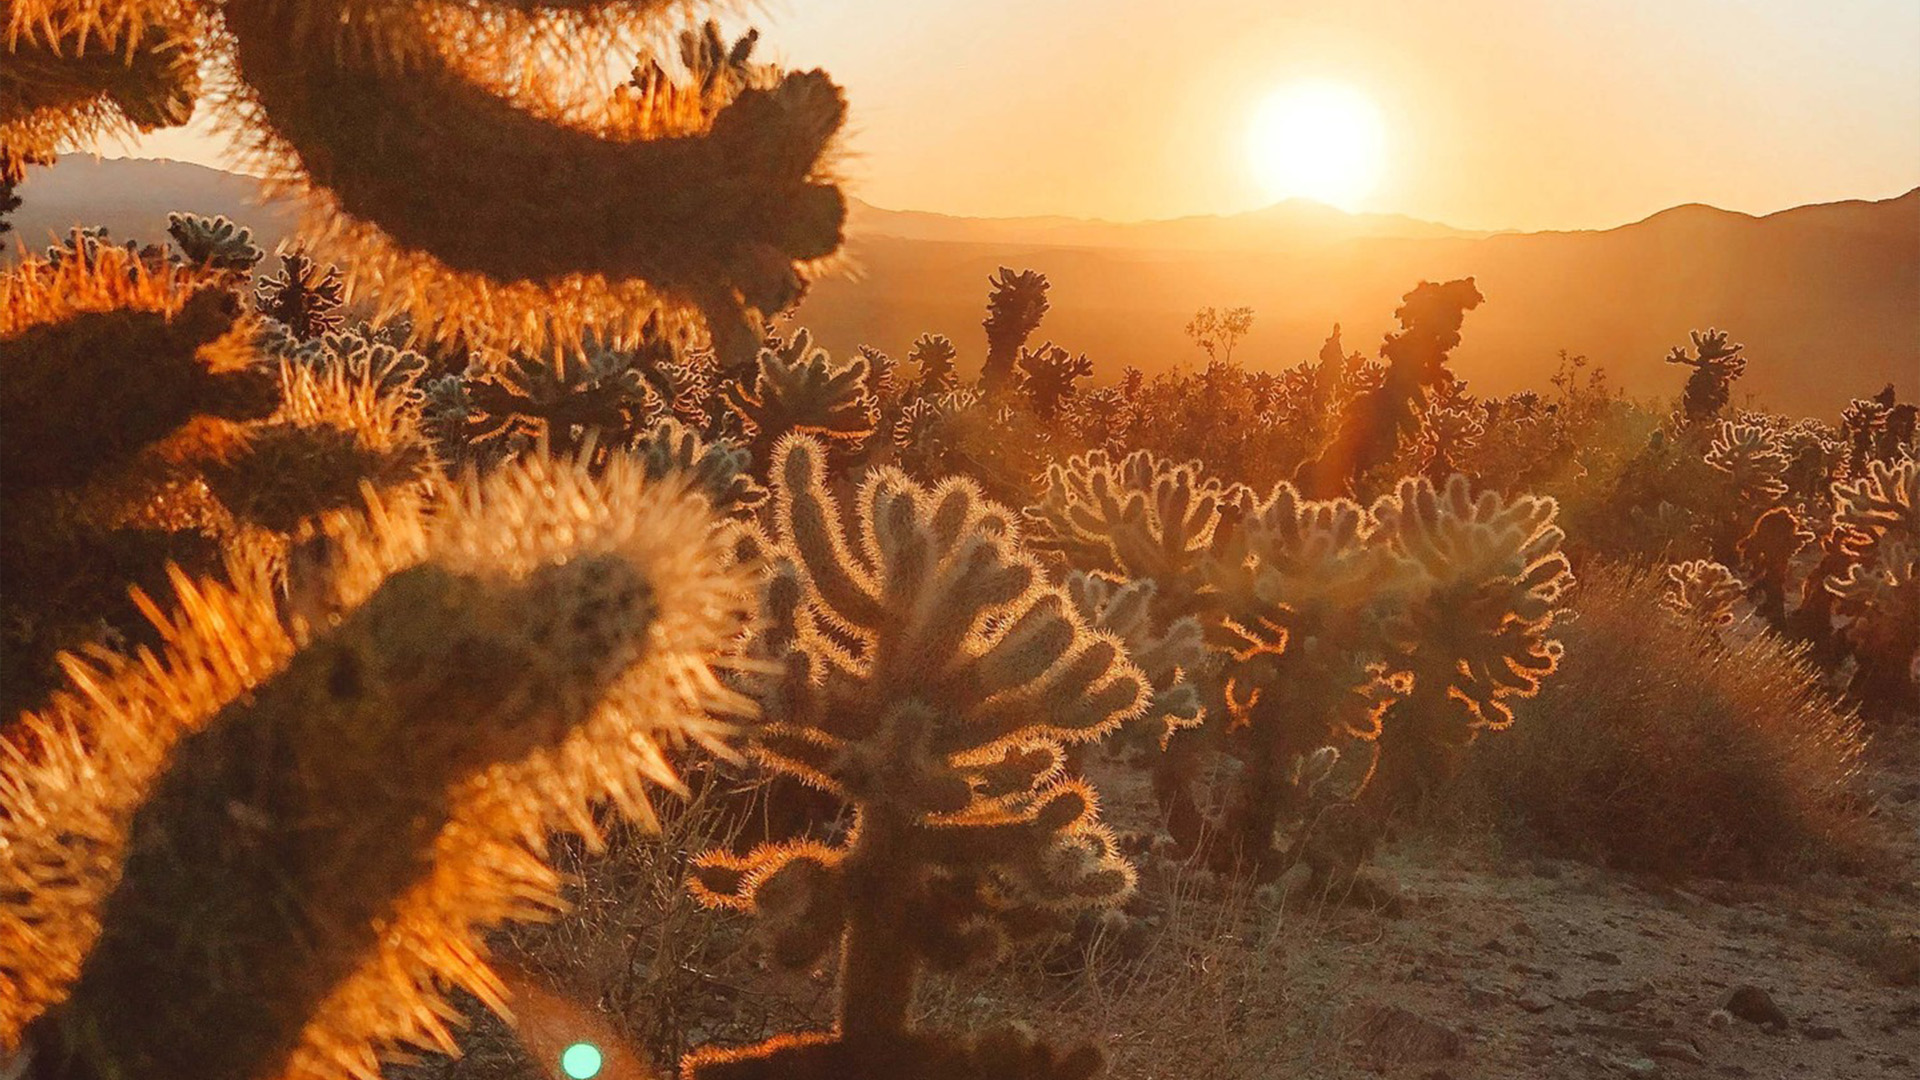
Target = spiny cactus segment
(280,836)
(932,680)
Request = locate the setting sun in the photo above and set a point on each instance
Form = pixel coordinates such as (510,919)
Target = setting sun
(1322,141)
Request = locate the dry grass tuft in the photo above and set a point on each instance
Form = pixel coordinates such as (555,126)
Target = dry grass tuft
(1662,748)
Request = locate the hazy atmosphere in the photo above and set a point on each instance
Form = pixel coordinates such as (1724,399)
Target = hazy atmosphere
(1496,114)
(683,540)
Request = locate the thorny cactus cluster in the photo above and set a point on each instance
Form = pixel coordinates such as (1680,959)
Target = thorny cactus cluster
(471,665)
(262,848)
(1783,501)
(929,676)
(1326,626)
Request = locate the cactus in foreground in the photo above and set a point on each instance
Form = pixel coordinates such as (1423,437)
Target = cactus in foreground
(1475,634)
(428,163)
(74,72)
(265,849)
(932,680)
(1308,595)
(304,297)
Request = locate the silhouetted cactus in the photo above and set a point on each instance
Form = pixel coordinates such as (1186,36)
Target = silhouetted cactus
(304,297)
(1767,552)
(1015,306)
(592,392)
(932,356)
(1716,362)
(800,389)
(932,679)
(1376,420)
(266,850)
(1050,374)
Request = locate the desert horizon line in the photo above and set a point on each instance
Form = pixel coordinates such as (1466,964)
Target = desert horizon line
(1298,200)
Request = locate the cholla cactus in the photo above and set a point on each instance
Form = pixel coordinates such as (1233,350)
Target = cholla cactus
(1881,600)
(426,158)
(1767,553)
(266,849)
(75,72)
(1051,373)
(1703,592)
(1307,594)
(1014,309)
(721,470)
(932,356)
(1756,461)
(304,297)
(1377,419)
(933,681)
(594,392)
(1879,515)
(1170,656)
(1475,633)
(337,432)
(1142,518)
(800,389)
(1716,362)
(217,243)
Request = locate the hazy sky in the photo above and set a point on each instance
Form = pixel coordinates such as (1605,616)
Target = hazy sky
(1499,113)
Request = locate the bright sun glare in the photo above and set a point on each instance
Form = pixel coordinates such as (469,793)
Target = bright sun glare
(1319,140)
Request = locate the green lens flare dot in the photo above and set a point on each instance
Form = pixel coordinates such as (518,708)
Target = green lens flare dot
(581,1061)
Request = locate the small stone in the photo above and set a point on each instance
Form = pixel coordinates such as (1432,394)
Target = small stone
(1820,1032)
(1719,1019)
(1389,1033)
(1534,1003)
(1756,1006)
(1601,956)
(1675,1050)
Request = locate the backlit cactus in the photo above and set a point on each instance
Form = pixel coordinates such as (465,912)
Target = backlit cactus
(1476,634)
(933,681)
(77,71)
(1050,374)
(1703,592)
(1879,595)
(797,388)
(932,356)
(1754,459)
(267,848)
(1307,594)
(427,161)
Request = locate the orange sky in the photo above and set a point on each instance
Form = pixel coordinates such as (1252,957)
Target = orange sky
(1500,113)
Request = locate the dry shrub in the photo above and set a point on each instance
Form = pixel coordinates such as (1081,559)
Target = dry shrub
(1666,748)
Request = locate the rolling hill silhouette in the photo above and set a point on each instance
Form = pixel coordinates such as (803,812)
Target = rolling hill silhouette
(1826,297)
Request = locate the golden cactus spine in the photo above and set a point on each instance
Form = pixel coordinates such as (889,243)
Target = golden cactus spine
(932,681)
(264,849)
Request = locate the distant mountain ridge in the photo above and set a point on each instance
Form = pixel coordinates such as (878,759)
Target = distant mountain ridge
(1825,296)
